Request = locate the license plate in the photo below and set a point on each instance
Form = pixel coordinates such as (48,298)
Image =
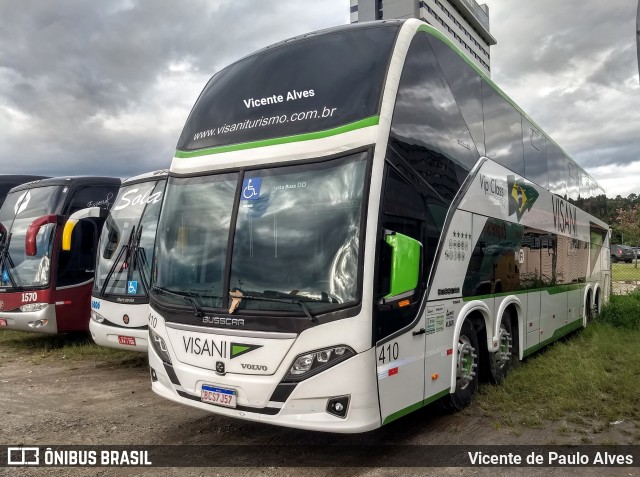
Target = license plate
(3,322)
(127,340)
(219,396)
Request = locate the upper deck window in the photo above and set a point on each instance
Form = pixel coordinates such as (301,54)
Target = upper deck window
(308,85)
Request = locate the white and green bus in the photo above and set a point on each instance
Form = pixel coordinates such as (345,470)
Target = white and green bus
(357,223)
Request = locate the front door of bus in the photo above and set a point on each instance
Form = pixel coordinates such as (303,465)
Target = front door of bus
(399,332)
(400,369)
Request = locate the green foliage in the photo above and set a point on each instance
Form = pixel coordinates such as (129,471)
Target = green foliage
(623,216)
(588,379)
(621,272)
(623,311)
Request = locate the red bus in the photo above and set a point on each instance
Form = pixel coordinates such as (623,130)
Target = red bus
(43,288)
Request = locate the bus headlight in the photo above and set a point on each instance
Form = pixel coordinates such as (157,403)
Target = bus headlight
(97,317)
(309,364)
(160,346)
(33,307)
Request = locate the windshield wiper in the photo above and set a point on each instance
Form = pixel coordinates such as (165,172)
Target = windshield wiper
(186,296)
(133,258)
(6,263)
(237,296)
(115,263)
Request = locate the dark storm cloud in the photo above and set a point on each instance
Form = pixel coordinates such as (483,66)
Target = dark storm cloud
(92,87)
(571,66)
(79,80)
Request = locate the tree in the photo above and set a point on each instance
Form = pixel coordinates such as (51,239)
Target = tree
(628,222)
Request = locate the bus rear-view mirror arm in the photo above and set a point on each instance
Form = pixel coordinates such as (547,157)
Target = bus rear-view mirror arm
(88,213)
(30,246)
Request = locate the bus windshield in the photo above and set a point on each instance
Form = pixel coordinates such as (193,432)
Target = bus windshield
(296,237)
(126,243)
(19,210)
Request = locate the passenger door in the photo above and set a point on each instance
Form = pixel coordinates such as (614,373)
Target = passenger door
(399,332)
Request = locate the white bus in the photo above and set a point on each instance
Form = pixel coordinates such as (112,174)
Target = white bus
(358,223)
(120,296)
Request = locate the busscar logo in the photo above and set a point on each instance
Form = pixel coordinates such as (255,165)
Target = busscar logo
(521,196)
(221,320)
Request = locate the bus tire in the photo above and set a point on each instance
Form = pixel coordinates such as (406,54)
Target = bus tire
(467,367)
(503,359)
(595,311)
(589,308)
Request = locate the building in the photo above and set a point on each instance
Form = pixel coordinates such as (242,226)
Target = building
(463,21)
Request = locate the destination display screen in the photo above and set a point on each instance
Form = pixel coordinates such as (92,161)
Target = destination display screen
(313,84)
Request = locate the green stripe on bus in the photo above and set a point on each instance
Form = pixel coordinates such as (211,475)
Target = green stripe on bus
(414,407)
(554,290)
(363,123)
(559,333)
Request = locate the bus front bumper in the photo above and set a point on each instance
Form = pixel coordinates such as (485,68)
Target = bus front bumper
(304,408)
(43,321)
(130,339)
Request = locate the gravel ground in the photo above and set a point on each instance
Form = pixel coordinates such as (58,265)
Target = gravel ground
(91,403)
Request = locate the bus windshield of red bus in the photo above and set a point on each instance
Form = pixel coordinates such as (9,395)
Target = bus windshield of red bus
(20,209)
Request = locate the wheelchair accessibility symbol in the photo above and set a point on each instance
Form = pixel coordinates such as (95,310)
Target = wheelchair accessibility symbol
(132,287)
(251,188)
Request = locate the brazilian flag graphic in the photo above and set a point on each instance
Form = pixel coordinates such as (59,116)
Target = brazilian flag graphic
(521,196)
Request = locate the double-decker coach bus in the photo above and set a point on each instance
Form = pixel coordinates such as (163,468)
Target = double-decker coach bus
(120,297)
(43,288)
(9,181)
(358,223)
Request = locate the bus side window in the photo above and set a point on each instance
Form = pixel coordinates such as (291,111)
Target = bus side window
(93,196)
(404,210)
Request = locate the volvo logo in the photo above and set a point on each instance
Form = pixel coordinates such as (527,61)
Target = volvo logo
(125,318)
(220,368)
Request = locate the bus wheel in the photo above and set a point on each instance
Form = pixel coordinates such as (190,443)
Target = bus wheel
(500,362)
(589,308)
(466,369)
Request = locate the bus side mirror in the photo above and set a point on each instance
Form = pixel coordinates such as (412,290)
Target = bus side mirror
(404,266)
(30,245)
(88,213)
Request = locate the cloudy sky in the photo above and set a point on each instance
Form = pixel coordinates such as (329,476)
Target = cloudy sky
(92,87)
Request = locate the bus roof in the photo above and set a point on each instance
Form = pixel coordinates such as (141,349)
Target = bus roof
(153,175)
(325,31)
(19,178)
(74,181)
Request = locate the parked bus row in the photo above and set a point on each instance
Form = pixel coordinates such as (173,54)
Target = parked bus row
(412,232)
